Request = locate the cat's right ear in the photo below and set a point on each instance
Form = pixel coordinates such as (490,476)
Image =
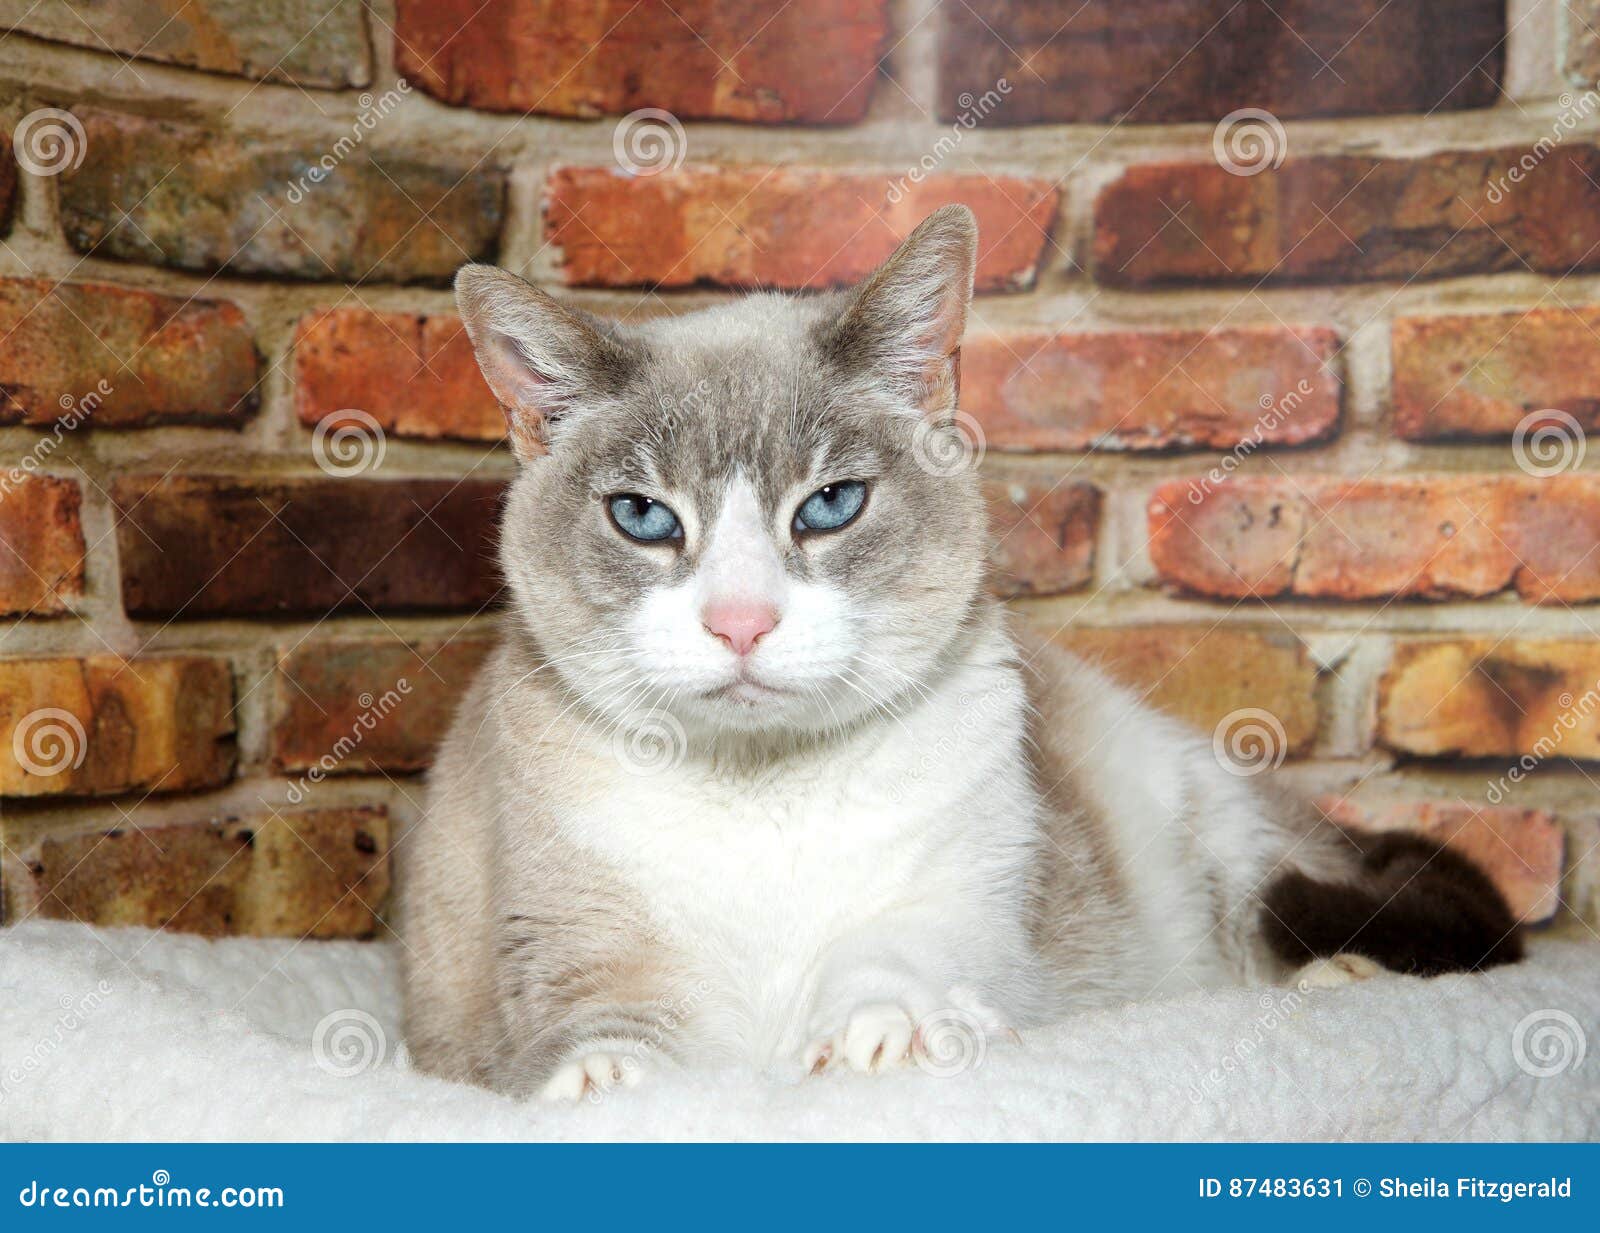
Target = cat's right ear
(541,358)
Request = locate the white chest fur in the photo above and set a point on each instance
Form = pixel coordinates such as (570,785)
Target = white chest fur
(753,879)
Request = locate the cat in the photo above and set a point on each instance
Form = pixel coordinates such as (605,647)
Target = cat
(761,772)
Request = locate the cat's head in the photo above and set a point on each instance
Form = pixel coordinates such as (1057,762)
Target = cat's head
(742,516)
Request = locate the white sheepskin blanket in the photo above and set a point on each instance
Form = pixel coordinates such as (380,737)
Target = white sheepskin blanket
(127,1034)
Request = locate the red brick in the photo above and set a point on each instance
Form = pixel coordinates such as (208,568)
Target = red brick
(350,705)
(778,226)
(1238,538)
(1043,532)
(309,42)
(1411,536)
(1153,61)
(416,375)
(1485,698)
(317,873)
(204,546)
(41,543)
(1152,389)
(8,184)
(1482,374)
(1366,538)
(1203,674)
(101,725)
(1552,528)
(121,358)
(185,195)
(702,59)
(1520,849)
(1341,219)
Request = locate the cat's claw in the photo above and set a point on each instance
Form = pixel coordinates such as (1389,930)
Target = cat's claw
(1345,968)
(876,1037)
(592,1075)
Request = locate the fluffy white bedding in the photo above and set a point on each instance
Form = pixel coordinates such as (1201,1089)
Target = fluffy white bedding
(126,1034)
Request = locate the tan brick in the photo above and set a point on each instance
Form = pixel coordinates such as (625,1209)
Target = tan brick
(1481,698)
(416,375)
(113,357)
(1348,218)
(309,42)
(1150,61)
(349,705)
(1043,532)
(41,543)
(188,196)
(1152,389)
(1203,675)
(1582,42)
(101,725)
(1520,849)
(701,59)
(1429,537)
(317,873)
(778,226)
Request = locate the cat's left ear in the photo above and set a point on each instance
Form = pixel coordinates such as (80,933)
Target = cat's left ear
(904,324)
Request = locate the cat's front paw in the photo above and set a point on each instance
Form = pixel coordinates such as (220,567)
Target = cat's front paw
(875,1037)
(592,1072)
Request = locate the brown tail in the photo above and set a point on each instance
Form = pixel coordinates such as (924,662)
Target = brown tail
(1413,907)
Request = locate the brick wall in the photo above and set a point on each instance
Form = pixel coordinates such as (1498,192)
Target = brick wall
(1283,412)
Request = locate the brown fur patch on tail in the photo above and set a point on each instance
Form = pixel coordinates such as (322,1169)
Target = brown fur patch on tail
(1414,907)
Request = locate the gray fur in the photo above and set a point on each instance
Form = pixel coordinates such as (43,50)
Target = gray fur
(536,927)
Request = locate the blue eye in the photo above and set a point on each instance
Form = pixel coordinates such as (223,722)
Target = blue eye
(642,518)
(831,506)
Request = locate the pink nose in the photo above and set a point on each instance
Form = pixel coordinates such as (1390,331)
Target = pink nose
(739,623)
